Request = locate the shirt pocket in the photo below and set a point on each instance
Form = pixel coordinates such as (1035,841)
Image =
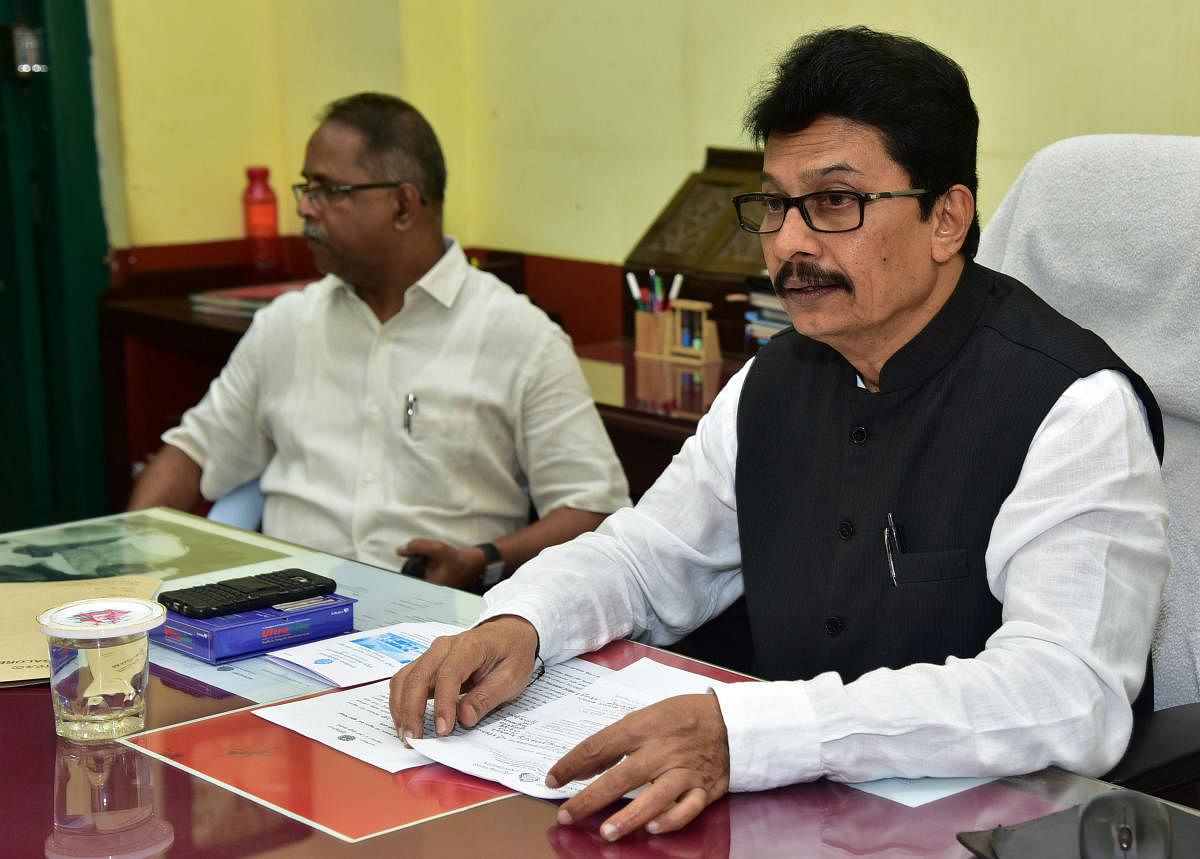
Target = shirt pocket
(924,567)
(437,452)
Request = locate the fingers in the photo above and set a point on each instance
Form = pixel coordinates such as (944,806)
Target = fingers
(647,809)
(672,801)
(686,809)
(595,754)
(413,685)
(444,564)
(679,746)
(494,661)
(421,546)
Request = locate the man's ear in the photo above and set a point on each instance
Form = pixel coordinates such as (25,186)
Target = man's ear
(408,202)
(953,214)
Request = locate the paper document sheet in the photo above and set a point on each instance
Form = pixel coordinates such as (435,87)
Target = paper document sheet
(361,657)
(359,722)
(518,749)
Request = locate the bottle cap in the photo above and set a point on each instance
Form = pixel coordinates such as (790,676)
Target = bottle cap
(106,617)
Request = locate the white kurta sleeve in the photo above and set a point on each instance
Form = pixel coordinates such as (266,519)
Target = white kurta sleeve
(654,571)
(222,433)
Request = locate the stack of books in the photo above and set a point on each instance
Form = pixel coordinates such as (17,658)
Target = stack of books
(241,301)
(766,316)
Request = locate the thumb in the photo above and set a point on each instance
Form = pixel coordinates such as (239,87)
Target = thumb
(498,687)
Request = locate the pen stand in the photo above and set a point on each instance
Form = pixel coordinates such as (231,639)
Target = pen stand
(652,334)
(683,334)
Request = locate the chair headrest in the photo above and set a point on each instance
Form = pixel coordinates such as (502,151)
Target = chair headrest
(1106,228)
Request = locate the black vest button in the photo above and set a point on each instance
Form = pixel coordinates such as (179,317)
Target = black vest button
(858,435)
(834,626)
(845,529)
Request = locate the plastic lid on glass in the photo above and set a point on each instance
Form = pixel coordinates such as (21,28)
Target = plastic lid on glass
(106,617)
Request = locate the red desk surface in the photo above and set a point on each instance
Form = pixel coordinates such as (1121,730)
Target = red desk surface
(59,799)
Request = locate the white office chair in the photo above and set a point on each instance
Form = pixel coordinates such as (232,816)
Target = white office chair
(1106,228)
(241,508)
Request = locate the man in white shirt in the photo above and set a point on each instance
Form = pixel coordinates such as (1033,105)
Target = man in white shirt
(1007,458)
(408,404)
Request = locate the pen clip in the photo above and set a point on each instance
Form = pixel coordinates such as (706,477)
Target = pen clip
(410,409)
(891,545)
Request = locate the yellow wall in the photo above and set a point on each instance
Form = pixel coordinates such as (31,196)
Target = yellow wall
(202,90)
(568,124)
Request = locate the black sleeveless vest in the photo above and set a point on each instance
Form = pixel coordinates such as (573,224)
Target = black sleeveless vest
(822,463)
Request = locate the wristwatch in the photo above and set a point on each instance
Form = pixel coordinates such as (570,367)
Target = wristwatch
(493,566)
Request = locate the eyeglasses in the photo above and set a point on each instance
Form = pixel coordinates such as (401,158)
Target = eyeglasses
(823,211)
(322,195)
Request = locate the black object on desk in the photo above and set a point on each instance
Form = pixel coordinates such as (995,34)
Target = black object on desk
(415,566)
(1118,823)
(246,593)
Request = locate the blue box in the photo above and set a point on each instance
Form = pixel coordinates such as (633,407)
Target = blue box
(248,633)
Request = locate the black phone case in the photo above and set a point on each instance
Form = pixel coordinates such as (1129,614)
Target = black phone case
(246,593)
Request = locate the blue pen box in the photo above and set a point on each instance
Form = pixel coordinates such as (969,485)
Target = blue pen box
(247,633)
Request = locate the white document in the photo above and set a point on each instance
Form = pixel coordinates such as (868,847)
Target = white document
(359,722)
(356,722)
(517,749)
(360,657)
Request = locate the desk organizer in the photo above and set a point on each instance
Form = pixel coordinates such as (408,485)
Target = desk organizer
(248,633)
(683,334)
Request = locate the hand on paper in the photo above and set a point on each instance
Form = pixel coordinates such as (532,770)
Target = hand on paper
(446,565)
(678,745)
(492,663)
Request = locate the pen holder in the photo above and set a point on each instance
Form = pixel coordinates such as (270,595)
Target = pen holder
(652,334)
(684,334)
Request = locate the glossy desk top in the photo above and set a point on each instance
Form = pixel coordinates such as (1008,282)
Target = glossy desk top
(62,798)
(112,799)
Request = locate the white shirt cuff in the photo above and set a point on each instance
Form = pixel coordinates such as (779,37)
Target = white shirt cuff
(773,737)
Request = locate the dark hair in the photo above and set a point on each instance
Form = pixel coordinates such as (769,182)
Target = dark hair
(917,97)
(397,140)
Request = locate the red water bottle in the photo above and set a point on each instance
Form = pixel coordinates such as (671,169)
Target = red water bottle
(260,211)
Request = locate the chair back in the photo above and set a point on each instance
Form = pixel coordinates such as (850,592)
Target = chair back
(1106,228)
(241,508)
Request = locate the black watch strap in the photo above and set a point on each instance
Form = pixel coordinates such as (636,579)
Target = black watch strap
(493,565)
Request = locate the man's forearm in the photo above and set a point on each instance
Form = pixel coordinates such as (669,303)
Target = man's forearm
(171,479)
(557,526)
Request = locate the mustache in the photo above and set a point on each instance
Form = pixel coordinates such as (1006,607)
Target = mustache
(311,232)
(807,274)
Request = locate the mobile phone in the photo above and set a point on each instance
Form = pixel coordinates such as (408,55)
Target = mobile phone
(415,566)
(246,593)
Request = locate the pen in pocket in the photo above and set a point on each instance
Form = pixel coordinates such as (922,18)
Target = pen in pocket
(409,410)
(892,546)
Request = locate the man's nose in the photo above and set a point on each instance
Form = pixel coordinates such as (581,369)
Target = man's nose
(795,236)
(305,208)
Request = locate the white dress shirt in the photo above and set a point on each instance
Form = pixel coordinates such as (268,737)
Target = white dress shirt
(1078,557)
(315,398)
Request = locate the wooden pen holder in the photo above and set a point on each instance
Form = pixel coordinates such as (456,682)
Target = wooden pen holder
(683,334)
(652,334)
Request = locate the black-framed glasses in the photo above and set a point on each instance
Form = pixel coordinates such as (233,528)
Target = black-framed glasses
(823,211)
(322,195)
